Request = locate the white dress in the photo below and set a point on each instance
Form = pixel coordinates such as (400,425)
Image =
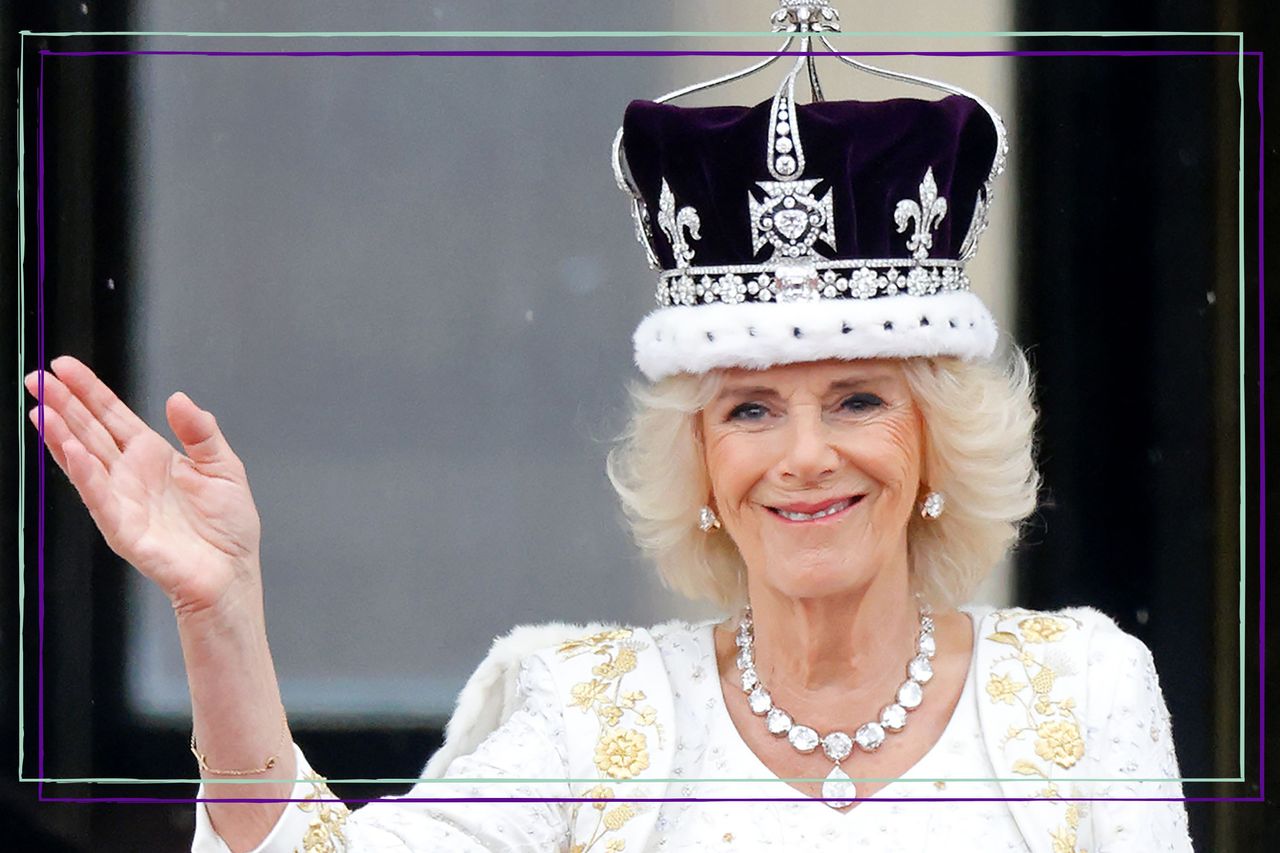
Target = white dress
(600,731)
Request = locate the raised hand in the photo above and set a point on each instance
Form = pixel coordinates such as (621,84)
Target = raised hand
(187,521)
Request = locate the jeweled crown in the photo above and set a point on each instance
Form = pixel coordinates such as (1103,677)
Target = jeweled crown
(787,203)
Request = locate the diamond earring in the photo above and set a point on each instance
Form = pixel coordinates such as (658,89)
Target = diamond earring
(707,520)
(932,505)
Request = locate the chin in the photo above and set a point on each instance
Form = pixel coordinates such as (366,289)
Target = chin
(820,578)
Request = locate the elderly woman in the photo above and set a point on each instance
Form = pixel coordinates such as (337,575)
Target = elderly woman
(826,449)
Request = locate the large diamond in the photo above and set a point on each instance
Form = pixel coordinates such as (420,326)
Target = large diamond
(790,223)
(838,790)
(749,679)
(798,283)
(869,736)
(760,701)
(837,746)
(927,645)
(920,669)
(910,694)
(778,721)
(745,659)
(803,738)
(743,639)
(893,717)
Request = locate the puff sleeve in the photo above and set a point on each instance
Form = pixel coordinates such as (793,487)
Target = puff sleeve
(528,747)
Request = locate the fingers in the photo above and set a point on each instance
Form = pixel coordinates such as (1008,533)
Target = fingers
(81,423)
(118,419)
(55,433)
(85,471)
(88,475)
(201,439)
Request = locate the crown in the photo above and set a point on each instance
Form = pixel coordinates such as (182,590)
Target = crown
(791,232)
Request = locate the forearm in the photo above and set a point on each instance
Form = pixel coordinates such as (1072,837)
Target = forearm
(237,716)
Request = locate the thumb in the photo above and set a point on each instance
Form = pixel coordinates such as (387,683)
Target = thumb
(198,431)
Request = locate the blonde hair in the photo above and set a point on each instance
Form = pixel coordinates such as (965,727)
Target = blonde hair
(979,419)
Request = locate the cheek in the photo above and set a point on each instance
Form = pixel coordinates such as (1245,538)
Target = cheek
(894,458)
(733,462)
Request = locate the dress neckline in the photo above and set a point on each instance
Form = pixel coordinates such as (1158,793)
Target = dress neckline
(964,711)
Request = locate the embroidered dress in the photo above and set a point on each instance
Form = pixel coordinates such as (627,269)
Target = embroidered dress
(1049,699)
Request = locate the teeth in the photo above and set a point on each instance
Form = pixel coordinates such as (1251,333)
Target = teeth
(807,516)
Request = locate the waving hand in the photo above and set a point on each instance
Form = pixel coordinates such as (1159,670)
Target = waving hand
(186,520)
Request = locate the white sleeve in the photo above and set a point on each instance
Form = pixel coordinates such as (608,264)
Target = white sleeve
(510,764)
(1134,743)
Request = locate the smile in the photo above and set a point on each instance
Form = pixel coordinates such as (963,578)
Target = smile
(816,512)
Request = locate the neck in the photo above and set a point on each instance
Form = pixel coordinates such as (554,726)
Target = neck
(853,642)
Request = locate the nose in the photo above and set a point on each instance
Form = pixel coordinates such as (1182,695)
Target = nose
(810,454)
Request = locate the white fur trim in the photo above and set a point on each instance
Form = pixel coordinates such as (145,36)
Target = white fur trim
(489,698)
(698,338)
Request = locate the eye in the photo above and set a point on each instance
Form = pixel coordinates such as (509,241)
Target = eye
(861,402)
(747,412)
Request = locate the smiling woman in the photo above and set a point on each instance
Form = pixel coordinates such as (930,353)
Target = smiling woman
(974,425)
(826,450)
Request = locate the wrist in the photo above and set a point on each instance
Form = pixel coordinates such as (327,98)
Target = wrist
(234,608)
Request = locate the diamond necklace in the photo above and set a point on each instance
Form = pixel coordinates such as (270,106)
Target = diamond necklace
(838,790)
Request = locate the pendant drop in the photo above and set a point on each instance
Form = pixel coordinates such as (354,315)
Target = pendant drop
(838,791)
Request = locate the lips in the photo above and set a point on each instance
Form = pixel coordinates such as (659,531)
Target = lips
(809,512)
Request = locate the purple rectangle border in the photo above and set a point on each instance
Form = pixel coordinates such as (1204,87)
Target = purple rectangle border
(40,356)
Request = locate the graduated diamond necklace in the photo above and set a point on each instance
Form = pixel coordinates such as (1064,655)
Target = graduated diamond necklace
(838,790)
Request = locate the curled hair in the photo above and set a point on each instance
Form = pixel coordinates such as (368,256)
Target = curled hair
(979,421)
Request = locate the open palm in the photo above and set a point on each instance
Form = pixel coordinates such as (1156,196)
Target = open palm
(187,521)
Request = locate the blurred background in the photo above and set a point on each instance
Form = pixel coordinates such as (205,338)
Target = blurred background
(407,284)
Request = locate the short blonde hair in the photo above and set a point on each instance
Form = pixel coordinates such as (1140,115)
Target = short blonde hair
(979,420)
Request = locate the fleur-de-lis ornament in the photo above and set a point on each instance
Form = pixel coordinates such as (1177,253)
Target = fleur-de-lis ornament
(927,215)
(673,223)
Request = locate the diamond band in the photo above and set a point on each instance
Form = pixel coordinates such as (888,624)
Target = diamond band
(860,279)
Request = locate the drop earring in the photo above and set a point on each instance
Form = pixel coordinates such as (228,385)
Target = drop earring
(707,520)
(932,505)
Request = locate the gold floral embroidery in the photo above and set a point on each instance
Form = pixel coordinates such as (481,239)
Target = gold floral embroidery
(1064,837)
(615,818)
(1059,742)
(1051,722)
(1003,689)
(622,748)
(600,793)
(587,693)
(1041,629)
(622,754)
(594,640)
(630,698)
(324,832)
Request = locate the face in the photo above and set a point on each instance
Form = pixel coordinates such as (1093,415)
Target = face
(815,470)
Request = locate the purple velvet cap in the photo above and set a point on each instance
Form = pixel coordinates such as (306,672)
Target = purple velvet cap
(870,154)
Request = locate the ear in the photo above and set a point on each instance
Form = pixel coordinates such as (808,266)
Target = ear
(927,474)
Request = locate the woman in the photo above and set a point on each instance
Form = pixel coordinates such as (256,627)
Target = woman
(825,437)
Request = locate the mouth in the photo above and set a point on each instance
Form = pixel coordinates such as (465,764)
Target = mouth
(809,513)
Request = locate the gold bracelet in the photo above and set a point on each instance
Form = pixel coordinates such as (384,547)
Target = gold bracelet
(271,762)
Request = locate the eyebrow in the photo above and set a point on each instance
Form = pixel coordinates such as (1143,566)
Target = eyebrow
(767,391)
